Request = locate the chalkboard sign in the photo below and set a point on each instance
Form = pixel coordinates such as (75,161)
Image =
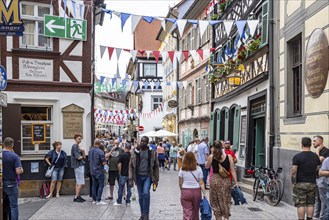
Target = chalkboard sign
(38,133)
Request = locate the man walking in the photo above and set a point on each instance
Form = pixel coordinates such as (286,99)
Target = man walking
(12,167)
(229,151)
(320,196)
(303,177)
(203,153)
(96,163)
(173,155)
(123,166)
(324,172)
(144,170)
(77,163)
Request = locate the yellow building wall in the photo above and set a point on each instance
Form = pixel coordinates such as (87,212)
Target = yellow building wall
(316,110)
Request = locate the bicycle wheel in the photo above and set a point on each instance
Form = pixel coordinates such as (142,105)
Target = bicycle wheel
(274,193)
(280,184)
(255,189)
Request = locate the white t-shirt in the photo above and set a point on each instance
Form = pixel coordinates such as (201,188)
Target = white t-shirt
(194,149)
(189,182)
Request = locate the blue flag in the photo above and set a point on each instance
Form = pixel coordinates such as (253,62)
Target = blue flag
(124,17)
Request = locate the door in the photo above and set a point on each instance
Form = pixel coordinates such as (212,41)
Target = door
(11,125)
(259,146)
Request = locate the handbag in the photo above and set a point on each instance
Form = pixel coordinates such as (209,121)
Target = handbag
(51,168)
(223,172)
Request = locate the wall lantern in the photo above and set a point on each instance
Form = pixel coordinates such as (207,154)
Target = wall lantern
(234,80)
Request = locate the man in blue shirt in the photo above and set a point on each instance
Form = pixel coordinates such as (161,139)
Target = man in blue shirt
(12,167)
(203,153)
(96,163)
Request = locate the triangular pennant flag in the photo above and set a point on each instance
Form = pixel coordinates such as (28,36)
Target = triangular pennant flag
(146,83)
(117,13)
(124,17)
(228,26)
(194,22)
(113,81)
(184,84)
(102,50)
(140,83)
(252,24)
(194,54)
(163,24)
(148,52)
(172,20)
(156,55)
(81,9)
(164,55)
(107,11)
(134,21)
(124,82)
(240,25)
(178,55)
(65,4)
(214,22)
(101,79)
(135,85)
(148,19)
(110,50)
(133,54)
(157,84)
(181,26)
(206,53)
(203,27)
(152,85)
(171,55)
(141,52)
(74,9)
(179,84)
(118,52)
(185,53)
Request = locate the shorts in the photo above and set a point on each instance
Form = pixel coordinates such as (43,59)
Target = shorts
(57,174)
(80,175)
(113,175)
(303,194)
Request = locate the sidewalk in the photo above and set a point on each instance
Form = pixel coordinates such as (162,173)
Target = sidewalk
(165,204)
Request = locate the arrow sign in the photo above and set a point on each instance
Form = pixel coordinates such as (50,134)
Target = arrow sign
(50,25)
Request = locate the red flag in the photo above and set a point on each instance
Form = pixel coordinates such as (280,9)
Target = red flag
(200,52)
(110,49)
(212,49)
(156,55)
(185,53)
(171,55)
(141,52)
(127,50)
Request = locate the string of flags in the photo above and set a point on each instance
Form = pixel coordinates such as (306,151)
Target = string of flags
(77,7)
(152,113)
(114,116)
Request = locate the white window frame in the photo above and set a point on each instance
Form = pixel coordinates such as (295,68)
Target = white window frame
(158,102)
(198,90)
(36,20)
(149,64)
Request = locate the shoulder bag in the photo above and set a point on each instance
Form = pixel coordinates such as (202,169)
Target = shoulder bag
(223,172)
(50,170)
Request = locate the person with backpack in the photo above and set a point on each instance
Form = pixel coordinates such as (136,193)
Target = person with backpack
(58,158)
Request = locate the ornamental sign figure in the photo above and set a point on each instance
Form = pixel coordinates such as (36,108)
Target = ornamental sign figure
(316,60)
(3,78)
(11,23)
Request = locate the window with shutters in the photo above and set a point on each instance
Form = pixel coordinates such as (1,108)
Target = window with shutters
(206,88)
(265,23)
(198,90)
(294,77)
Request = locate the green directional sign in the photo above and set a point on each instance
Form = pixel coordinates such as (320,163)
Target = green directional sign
(68,28)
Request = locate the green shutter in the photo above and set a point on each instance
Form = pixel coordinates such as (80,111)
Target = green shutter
(227,116)
(212,127)
(236,129)
(218,125)
(188,138)
(265,23)
(183,139)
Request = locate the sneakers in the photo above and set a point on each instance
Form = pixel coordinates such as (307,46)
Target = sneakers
(94,202)
(101,203)
(57,195)
(128,204)
(117,204)
(49,196)
(78,199)
(81,198)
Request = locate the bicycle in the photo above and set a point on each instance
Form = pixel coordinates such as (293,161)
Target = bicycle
(267,184)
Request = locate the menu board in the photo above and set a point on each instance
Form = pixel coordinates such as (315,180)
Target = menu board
(38,133)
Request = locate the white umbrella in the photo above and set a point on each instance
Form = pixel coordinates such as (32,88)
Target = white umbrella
(149,134)
(164,133)
(102,129)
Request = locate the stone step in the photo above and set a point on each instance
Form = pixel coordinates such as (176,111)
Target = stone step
(248,181)
(246,188)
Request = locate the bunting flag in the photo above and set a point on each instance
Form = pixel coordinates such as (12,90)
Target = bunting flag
(148,52)
(200,52)
(133,54)
(156,55)
(102,50)
(102,78)
(134,21)
(195,23)
(178,55)
(118,52)
(171,55)
(65,4)
(124,17)
(81,9)
(228,27)
(194,54)
(148,19)
(110,50)
(164,55)
(241,25)
(74,9)
(252,24)
(203,25)
(185,53)
(181,26)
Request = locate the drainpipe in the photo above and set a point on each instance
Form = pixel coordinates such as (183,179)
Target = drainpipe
(177,89)
(271,82)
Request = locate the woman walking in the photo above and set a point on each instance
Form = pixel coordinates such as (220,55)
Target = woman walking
(161,156)
(220,188)
(191,184)
(180,156)
(56,157)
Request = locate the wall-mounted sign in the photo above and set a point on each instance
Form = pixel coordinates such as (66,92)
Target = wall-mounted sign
(36,69)
(38,133)
(172,103)
(68,28)
(72,121)
(11,23)
(243,129)
(316,60)
(3,78)
(34,167)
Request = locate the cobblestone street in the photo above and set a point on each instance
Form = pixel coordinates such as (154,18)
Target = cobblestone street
(165,204)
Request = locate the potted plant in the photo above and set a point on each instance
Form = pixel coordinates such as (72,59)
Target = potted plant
(222,5)
(253,44)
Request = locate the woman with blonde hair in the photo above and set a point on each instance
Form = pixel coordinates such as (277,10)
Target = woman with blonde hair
(220,188)
(180,156)
(191,184)
(56,157)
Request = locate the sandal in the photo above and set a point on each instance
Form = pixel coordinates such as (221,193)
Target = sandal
(49,196)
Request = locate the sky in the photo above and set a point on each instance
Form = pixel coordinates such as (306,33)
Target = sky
(110,34)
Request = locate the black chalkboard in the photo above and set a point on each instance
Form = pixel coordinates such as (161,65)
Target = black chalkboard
(38,133)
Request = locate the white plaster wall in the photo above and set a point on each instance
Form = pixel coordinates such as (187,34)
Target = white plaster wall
(9,68)
(76,69)
(9,43)
(58,101)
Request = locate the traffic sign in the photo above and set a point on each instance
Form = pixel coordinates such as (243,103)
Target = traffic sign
(68,28)
(140,128)
(3,78)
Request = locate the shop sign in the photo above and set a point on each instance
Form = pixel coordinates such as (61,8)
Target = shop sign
(38,133)
(36,69)
(316,63)
(172,103)
(11,23)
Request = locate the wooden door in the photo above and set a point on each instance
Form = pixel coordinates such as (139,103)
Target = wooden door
(11,125)
(260,141)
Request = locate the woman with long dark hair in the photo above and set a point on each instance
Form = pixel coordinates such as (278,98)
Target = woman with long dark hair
(191,184)
(220,188)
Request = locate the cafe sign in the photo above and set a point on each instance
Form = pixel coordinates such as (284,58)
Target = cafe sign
(11,23)
(316,63)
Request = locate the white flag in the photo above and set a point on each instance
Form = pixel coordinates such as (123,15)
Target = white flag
(148,52)
(134,21)
(203,27)
(164,55)
(195,55)
(252,24)
(133,54)
(181,25)
(228,26)
(184,84)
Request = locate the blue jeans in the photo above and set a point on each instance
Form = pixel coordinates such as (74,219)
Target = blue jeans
(124,180)
(143,187)
(11,189)
(326,211)
(97,187)
(205,173)
(320,201)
